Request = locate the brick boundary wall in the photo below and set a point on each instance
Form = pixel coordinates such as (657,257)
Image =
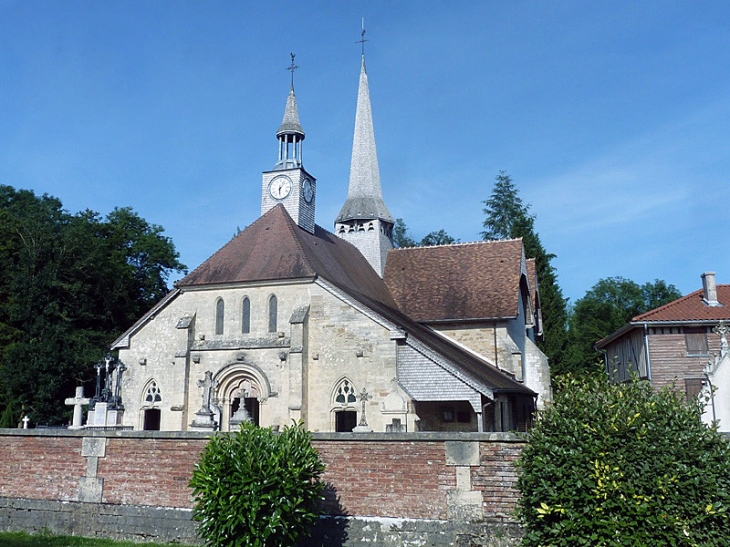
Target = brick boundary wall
(434,487)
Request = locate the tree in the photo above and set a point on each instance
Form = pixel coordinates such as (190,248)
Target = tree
(606,307)
(620,464)
(402,239)
(507,217)
(69,285)
(257,487)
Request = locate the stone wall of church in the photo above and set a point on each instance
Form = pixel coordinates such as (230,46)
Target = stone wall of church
(397,484)
(320,341)
(494,343)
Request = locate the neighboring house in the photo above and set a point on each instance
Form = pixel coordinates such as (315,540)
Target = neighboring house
(289,321)
(679,344)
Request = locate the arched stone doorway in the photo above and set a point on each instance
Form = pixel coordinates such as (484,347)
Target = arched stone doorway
(242,390)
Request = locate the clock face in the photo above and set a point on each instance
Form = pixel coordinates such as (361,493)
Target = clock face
(280,187)
(308,190)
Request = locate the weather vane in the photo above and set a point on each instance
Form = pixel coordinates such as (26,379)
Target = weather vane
(362,39)
(292,68)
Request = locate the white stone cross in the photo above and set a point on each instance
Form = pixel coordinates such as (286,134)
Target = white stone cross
(78,402)
(25,422)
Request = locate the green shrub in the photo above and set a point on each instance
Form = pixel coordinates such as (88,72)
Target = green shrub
(257,487)
(610,465)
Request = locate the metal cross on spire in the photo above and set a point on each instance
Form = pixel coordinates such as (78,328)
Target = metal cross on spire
(362,39)
(292,68)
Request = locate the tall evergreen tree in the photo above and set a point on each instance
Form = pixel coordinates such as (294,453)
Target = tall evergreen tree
(507,217)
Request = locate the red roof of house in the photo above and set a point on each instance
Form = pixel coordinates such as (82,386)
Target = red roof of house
(457,282)
(690,308)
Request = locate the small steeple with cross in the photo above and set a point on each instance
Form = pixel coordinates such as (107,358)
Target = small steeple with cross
(291,68)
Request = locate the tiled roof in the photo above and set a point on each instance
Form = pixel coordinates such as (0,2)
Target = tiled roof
(275,248)
(691,308)
(456,282)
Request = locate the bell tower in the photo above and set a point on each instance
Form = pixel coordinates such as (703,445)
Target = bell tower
(288,183)
(364,220)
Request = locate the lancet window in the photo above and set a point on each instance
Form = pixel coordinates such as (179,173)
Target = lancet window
(246,316)
(219,313)
(272,313)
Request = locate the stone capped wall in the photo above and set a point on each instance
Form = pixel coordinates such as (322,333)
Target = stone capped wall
(382,489)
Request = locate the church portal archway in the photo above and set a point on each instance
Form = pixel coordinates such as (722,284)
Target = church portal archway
(242,389)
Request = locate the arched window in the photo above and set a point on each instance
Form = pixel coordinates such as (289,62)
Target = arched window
(153,394)
(345,413)
(219,309)
(246,316)
(345,394)
(272,313)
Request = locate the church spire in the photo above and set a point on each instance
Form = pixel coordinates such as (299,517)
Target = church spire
(364,220)
(364,195)
(290,133)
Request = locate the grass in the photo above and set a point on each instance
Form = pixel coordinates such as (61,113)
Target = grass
(21,539)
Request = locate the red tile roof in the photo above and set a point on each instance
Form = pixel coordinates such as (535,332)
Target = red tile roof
(457,282)
(690,308)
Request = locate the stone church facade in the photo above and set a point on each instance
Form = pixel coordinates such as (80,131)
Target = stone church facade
(289,321)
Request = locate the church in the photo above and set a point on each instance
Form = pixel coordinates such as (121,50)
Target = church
(339,329)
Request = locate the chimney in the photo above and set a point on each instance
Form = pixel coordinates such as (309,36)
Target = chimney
(709,289)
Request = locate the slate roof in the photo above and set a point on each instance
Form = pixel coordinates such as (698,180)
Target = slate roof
(364,195)
(290,123)
(297,254)
(687,309)
(463,281)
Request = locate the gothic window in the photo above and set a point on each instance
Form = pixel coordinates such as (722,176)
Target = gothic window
(345,394)
(219,309)
(153,394)
(272,313)
(246,316)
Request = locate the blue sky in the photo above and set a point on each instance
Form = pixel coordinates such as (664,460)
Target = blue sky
(613,118)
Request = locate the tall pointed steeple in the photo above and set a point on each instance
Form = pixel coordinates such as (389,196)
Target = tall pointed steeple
(364,220)
(288,183)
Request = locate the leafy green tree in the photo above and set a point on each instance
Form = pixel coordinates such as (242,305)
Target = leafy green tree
(69,284)
(401,238)
(437,238)
(257,487)
(620,464)
(507,217)
(7,419)
(606,307)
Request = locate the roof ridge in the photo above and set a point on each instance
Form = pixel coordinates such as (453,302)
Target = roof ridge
(666,306)
(460,244)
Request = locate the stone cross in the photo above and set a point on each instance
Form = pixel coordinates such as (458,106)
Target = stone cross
(78,402)
(364,397)
(206,386)
(25,422)
(722,329)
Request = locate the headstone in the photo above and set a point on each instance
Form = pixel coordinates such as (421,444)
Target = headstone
(78,403)
(25,422)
